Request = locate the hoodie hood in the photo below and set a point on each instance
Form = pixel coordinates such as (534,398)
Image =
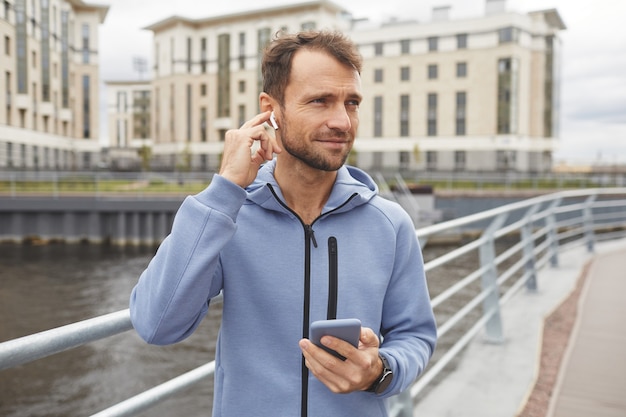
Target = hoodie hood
(352,184)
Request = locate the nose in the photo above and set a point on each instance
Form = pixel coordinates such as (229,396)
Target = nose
(339,119)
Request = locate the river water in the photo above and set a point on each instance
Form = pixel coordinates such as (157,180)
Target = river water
(42,287)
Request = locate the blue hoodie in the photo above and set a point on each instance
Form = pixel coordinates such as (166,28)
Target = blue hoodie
(273,271)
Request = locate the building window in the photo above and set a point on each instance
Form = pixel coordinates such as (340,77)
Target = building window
(378,116)
(432,71)
(433,43)
(459,160)
(507,96)
(404,115)
(551,83)
(241,114)
(508,34)
(405,160)
(461,69)
(461,103)
(203,90)
(432,115)
(242,50)
(405,74)
(189,52)
(65,60)
(121,102)
(505,160)
(85,38)
(203,135)
(7,82)
(310,25)
(203,55)
(20,46)
(378,75)
(461,41)
(45,51)
(7,45)
(431,160)
(223,75)
(263,38)
(378,49)
(405,46)
(86,107)
(189,101)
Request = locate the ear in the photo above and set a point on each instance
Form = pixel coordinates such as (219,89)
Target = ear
(266,102)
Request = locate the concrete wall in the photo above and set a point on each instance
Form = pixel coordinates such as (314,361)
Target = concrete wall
(95,220)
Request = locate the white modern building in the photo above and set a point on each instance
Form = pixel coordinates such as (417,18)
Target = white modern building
(477,94)
(129,123)
(49,88)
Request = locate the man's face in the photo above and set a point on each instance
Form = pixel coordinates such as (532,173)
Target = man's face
(320,115)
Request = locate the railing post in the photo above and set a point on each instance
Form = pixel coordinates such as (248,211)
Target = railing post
(491,304)
(553,245)
(588,222)
(529,248)
(402,405)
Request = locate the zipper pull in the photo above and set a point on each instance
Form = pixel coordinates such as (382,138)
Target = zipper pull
(311,234)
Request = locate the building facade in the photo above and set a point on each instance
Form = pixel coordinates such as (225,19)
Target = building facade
(49,89)
(129,124)
(479,94)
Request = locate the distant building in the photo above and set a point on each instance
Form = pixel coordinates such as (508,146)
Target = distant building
(50,81)
(129,123)
(479,94)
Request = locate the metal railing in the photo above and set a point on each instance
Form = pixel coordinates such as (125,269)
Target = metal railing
(57,183)
(509,243)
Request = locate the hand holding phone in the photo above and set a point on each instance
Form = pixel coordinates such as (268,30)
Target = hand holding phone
(344,329)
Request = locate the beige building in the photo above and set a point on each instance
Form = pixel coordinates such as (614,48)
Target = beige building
(129,123)
(479,94)
(49,86)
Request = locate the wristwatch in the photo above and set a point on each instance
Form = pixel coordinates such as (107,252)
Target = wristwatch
(382,382)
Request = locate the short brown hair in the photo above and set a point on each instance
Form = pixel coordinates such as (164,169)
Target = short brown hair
(278,55)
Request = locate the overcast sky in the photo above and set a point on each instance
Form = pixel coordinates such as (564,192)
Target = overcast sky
(593,96)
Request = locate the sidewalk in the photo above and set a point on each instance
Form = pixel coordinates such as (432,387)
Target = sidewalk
(495,380)
(592,381)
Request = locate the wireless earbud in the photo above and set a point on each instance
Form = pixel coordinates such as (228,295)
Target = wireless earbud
(273,121)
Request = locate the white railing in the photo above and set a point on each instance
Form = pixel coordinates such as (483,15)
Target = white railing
(509,243)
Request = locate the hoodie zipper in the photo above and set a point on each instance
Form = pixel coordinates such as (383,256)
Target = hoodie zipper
(309,238)
(333,278)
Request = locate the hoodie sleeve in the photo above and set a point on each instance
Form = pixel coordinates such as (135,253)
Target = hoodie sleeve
(408,324)
(172,294)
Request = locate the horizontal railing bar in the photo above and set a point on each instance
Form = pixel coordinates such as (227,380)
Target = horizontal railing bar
(459,315)
(453,254)
(39,345)
(450,291)
(447,357)
(158,394)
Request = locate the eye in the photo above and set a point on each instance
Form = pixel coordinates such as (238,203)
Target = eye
(354,104)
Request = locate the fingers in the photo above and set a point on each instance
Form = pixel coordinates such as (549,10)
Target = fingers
(239,163)
(355,373)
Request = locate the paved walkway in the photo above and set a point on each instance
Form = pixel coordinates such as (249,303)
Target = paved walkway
(593,377)
(495,380)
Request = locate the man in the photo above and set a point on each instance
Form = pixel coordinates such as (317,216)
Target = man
(264,232)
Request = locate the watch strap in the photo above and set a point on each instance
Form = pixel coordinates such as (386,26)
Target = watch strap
(385,376)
